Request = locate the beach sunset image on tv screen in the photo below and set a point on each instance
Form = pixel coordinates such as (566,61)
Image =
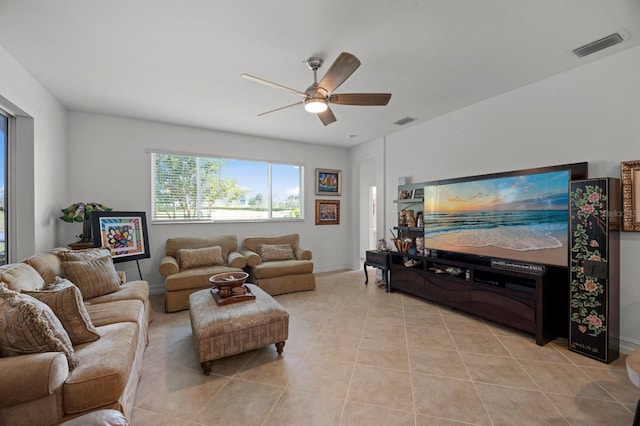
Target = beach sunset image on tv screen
(523,217)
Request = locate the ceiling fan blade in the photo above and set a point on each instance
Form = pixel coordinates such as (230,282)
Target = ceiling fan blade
(339,71)
(366,99)
(327,117)
(281,108)
(272,84)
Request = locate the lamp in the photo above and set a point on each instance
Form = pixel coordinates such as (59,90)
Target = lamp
(81,212)
(315,105)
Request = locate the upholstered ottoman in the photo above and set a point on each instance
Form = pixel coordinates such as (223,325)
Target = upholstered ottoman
(220,331)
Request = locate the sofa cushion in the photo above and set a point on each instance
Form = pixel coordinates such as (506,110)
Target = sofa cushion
(84,254)
(65,300)
(282,268)
(195,278)
(189,258)
(251,243)
(48,264)
(116,311)
(28,326)
(103,369)
(228,243)
(271,252)
(93,277)
(20,276)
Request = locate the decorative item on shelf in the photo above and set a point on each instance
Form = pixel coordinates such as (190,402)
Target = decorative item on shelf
(420,245)
(420,220)
(411,220)
(402,218)
(404,194)
(402,244)
(81,212)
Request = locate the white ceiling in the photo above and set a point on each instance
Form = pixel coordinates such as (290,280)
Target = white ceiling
(180,61)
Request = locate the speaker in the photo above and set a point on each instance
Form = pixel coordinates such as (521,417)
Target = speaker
(594,298)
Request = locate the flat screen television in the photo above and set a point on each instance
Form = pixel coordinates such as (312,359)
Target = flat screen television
(520,216)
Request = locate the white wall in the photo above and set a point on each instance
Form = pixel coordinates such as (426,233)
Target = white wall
(367,169)
(111,165)
(39,179)
(587,114)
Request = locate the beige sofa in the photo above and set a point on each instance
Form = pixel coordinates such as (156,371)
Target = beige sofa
(278,264)
(190,272)
(43,388)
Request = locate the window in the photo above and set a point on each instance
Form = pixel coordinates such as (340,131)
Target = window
(203,189)
(4,142)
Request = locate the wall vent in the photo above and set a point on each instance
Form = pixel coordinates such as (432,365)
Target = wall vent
(597,45)
(404,121)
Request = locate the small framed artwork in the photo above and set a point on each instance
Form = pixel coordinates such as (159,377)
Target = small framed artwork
(328,182)
(630,179)
(418,193)
(123,233)
(327,212)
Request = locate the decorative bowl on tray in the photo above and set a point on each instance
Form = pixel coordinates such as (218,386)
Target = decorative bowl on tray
(229,279)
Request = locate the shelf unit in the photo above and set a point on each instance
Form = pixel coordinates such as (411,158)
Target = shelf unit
(533,303)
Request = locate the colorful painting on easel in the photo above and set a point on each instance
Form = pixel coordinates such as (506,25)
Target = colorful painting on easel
(123,233)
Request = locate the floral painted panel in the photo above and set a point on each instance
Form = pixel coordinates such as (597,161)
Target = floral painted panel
(589,322)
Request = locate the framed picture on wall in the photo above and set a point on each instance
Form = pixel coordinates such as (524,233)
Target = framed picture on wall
(328,182)
(123,233)
(630,179)
(327,212)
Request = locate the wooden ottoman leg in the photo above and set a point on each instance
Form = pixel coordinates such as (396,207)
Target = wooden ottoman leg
(279,347)
(206,367)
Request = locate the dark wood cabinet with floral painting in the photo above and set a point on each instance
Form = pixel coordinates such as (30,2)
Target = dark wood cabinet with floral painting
(595,268)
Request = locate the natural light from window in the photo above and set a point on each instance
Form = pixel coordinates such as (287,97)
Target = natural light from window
(189,188)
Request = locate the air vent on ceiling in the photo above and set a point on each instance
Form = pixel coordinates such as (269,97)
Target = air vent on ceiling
(404,121)
(597,45)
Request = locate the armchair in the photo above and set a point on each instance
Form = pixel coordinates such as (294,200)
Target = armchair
(278,264)
(189,262)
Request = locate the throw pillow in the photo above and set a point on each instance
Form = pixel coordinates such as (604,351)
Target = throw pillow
(205,256)
(270,252)
(84,254)
(94,277)
(65,300)
(28,326)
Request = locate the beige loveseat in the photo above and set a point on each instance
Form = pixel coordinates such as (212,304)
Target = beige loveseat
(190,262)
(50,387)
(278,264)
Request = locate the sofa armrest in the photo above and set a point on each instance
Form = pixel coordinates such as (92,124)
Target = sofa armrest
(169,266)
(236,260)
(303,254)
(30,377)
(251,257)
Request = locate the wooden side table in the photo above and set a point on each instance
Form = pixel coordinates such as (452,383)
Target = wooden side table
(81,245)
(380,260)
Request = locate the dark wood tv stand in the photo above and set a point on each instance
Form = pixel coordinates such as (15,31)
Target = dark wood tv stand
(536,303)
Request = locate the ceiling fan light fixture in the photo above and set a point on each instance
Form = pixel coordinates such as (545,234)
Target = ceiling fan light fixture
(315,105)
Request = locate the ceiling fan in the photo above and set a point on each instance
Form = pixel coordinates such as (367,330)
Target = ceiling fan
(318,96)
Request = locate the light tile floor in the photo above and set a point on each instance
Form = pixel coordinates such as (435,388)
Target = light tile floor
(357,355)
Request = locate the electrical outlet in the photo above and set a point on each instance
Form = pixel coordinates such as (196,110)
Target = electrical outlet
(596,269)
